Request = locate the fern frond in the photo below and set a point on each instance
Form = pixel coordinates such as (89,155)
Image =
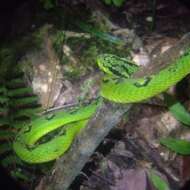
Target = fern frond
(19,174)
(3,109)
(27,112)
(14,82)
(5,148)
(3,90)
(5,134)
(3,99)
(10,160)
(19,124)
(20,92)
(4,121)
(24,101)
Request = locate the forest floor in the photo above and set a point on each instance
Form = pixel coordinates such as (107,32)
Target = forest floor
(132,148)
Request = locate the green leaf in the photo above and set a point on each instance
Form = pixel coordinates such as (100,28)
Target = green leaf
(24,101)
(3,109)
(5,148)
(20,92)
(11,159)
(118,3)
(18,174)
(14,82)
(3,90)
(157,181)
(177,109)
(4,121)
(107,2)
(27,112)
(20,124)
(177,145)
(48,4)
(5,134)
(3,99)
(102,35)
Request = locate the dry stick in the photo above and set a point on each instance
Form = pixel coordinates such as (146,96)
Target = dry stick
(108,116)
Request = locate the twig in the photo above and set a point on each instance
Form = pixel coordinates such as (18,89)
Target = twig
(66,106)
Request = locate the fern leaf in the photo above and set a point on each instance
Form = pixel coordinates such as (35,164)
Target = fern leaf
(24,101)
(4,121)
(14,82)
(3,90)
(3,99)
(18,174)
(27,112)
(20,92)
(102,35)
(10,160)
(3,109)
(5,148)
(5,134)
(19,124)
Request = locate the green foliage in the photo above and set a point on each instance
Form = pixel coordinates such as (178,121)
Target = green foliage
(49,4)
(177,109)
(177,145)
(6,134)
(18,174)
(158,182)
(102,35)
(78,51)
(19,92)
(27,112)
(116,3)
(181,114)
(11,159)
(5,148)
(24,101)
(18,105)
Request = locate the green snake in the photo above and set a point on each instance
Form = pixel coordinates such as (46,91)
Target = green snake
(117,86)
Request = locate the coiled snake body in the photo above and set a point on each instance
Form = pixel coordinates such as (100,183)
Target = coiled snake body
(116,86)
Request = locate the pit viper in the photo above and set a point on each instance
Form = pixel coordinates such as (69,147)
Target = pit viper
(116,86)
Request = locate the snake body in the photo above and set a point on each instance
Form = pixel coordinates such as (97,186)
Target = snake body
(26,144)
(117,86)
(130,90)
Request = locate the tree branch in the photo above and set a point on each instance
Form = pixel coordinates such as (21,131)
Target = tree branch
(68,167)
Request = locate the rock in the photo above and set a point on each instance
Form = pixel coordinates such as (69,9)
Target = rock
(43,71)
